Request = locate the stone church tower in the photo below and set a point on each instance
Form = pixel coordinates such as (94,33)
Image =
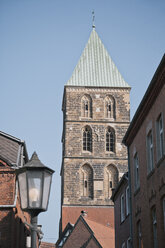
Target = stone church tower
(96,115)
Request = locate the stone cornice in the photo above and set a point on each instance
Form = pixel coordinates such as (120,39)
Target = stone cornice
(99,122)
(95,89)
(93,157)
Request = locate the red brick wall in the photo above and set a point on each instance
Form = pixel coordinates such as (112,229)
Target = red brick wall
(122,232)
(7,185)
(92,244)
(78,236)
(12,228)
(151,188)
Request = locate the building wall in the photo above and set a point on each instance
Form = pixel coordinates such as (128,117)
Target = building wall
(7,183)
(152,186)
(73,102)
(13,231)
(122,228)
(73,155)
(80,236)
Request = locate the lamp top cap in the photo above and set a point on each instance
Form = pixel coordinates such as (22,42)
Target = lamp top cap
(34,162)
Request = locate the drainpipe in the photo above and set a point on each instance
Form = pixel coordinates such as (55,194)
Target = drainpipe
(130,198)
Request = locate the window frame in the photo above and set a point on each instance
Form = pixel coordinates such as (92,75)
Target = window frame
(86,175)
(110,179)
(136,172)
(123,245)
(159,137)
(139,234)
(129,242)
(110,140)
(87,139)
(163,208)
(154,228)
(86,106)
(127,201)
(122,208)
(109,107)
(150,152)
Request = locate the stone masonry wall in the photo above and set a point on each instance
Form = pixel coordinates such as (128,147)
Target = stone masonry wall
(72,185)
(73,103)
(73,155)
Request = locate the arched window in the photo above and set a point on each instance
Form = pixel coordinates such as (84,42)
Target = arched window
(86,106)
(110,180)
(87,139)
(109,108)
(86,175)
(110,140)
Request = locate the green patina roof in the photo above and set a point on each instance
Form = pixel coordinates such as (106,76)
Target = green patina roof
(95,67)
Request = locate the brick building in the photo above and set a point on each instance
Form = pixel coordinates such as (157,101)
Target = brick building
(13,232)
(96,115)
(86,233)
(146,147)
(121,198)
(47,245)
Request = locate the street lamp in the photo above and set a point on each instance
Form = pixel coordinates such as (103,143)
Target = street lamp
(34,180)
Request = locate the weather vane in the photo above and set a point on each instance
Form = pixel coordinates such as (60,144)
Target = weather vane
(93,19)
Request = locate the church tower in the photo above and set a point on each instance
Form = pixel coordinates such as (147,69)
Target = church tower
(96,115)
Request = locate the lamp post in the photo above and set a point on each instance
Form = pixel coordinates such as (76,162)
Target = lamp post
(34,180)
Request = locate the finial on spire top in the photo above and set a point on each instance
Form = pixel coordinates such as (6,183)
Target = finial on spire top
(93,19)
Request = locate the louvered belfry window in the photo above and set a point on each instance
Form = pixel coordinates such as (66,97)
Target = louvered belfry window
(110,140)
(109,107)
(87,139)
(86,175)
(86,106)
(110,180)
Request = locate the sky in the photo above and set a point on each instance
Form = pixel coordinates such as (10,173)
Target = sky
(41,42)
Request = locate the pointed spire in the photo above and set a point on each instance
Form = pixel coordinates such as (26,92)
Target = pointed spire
(95,67)
(93,19)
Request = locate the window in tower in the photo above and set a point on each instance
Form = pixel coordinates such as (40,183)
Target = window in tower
(86,176)
(109,107)
(110,180)
(110,140)
(87,139)
(86,106)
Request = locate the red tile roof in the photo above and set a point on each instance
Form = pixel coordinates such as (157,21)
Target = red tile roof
(47,245)
(102,215)
(89,233)
(104,234)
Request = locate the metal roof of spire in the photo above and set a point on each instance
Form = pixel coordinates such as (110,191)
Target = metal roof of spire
(95,67)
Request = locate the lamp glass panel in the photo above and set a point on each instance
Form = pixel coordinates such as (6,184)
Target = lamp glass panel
(23,189)
(35,188)
(46,189)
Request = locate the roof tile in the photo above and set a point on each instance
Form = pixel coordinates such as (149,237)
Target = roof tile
(95,67)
